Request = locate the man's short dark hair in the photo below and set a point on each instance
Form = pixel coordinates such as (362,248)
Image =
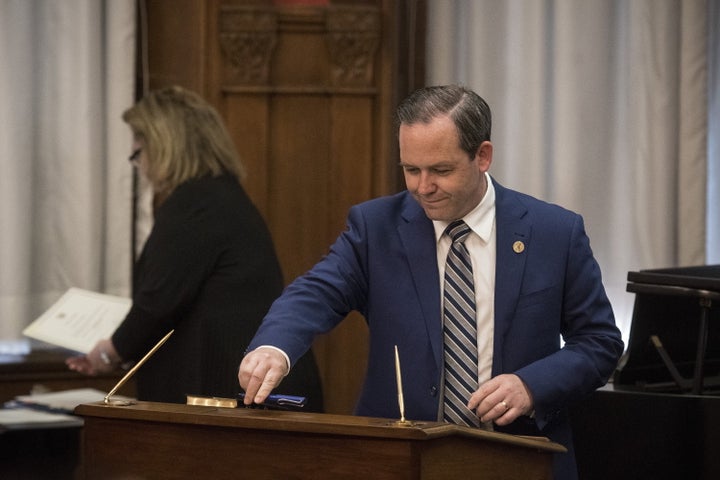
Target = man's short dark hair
(468,111)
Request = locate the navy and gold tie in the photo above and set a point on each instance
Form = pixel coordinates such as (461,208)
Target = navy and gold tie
(460,329)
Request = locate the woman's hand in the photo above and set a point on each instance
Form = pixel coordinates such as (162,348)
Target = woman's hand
(102,358)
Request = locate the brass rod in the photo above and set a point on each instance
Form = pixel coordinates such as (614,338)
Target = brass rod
(139,364)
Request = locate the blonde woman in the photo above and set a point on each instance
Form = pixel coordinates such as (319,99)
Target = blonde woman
(208,269)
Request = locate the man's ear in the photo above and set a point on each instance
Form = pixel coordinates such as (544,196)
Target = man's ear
(483,155)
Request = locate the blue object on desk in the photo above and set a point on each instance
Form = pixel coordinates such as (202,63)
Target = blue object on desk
(277,401)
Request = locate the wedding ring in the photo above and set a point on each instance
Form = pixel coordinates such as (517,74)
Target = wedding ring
(504,404)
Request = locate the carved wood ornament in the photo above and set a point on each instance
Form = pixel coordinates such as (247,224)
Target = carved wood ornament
(353,36)
(248,37)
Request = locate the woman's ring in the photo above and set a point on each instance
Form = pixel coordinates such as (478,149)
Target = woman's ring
(504,404)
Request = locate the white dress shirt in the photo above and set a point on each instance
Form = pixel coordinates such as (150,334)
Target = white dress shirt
(480,243)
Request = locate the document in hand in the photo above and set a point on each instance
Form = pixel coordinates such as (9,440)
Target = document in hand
(79,319)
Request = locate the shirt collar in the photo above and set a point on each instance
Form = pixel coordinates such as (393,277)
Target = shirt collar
(480,219)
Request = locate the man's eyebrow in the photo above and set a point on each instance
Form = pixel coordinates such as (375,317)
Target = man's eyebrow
(443,164)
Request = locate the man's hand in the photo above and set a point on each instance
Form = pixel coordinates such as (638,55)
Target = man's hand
(260,372)
(501,400)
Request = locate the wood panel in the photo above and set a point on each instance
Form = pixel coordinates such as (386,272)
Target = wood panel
(307,92)
(298,195)
(249,115)
(176,44)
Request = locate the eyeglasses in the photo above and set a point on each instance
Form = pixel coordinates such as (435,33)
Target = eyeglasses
(135,155)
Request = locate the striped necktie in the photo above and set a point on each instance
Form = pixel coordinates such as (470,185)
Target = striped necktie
(460,329)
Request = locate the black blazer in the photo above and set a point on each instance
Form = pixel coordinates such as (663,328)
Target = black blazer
(209,271)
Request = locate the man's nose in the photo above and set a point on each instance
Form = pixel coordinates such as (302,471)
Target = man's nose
(425,184)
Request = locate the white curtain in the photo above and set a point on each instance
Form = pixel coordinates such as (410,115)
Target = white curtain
(600,106)
(713,215)
(66,185)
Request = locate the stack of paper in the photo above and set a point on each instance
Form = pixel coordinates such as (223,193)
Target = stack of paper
(27,418)
(47,410)
(63,401)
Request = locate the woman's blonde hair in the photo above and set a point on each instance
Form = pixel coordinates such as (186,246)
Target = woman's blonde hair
(184,138)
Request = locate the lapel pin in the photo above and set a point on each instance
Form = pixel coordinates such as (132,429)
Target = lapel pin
(518,247)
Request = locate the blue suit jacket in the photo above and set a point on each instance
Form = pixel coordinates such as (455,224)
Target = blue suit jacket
(384,266)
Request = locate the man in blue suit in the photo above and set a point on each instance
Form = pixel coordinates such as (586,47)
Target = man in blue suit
(535,280)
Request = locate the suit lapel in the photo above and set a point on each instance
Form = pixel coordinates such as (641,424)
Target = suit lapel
(513,240)
(418,239)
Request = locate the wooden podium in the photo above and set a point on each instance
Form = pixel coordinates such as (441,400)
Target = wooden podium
(150,440)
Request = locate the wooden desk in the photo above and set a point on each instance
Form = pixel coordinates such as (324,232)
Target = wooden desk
(40,453)
(159,440)
(45,452)
(46,369)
